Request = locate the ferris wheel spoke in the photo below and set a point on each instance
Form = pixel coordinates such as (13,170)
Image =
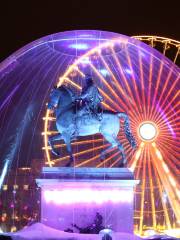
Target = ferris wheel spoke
(165,117)
(167,121)
(77,143)
(115,105)
(168,94)
(174,117)
(108,86)
(125,79)
(177,54)
(165,47)
(124,95)
(157,87)
(107,159)
(136,156)
(151,188)
(167,142)
(83,152)
(144,105)
(170,161)
(167,180)
(89,160)
(165,209)
(149,85)
(169,114)
(143,179)
(139,166)
(137,99)
(166,84)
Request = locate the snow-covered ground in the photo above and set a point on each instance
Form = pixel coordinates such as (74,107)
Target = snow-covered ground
(39,231)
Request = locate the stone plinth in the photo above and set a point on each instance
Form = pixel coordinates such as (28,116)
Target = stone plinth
(76,195)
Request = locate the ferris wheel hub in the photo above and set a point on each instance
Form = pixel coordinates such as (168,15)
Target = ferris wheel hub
(148,131)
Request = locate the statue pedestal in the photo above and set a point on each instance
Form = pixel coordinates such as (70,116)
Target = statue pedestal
(87,196)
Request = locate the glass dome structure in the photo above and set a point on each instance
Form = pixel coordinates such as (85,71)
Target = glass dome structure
(132,77)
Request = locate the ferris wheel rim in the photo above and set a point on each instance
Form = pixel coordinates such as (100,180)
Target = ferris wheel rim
(158,37)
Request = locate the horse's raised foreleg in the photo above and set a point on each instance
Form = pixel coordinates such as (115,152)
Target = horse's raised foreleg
(114,143)
(51,139)
(67,140)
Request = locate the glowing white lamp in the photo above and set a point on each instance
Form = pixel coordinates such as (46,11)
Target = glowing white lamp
(147,131)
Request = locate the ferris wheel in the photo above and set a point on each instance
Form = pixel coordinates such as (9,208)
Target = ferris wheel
(169,47)
(144,84)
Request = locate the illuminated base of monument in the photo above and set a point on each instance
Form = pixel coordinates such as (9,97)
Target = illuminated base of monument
(77,199)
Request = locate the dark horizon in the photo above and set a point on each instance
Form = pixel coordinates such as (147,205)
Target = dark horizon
(22,23)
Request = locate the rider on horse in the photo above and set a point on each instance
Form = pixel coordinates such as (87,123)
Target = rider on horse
(91,98)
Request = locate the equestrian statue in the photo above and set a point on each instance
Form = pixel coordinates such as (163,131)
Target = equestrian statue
(83,115)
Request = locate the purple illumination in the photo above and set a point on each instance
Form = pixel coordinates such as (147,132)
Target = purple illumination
(128,71)
(80,46)
(140,81)
(166,121)
(85,60)
(71,196)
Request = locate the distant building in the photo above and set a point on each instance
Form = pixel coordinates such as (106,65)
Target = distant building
(20,197)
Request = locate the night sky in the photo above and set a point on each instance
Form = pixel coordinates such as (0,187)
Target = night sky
(25,21)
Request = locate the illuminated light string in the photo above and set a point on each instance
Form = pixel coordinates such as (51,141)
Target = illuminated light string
(142,85)
(142,195)
(134,85)
(166,42)
(168,182)
(79,196)
(171,163)
(151,189)
(167,219)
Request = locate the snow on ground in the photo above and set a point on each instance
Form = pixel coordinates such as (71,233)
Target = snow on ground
(39,231)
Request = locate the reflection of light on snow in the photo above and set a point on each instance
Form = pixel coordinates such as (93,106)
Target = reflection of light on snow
(81,46)
(71,196)
(106,231)
(150,232)
(175,232)
(1,231)
(104,72)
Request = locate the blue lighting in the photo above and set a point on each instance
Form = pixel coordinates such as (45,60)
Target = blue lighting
(104,72)
(81,46)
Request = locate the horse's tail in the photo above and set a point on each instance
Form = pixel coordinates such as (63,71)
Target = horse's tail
(127,129)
